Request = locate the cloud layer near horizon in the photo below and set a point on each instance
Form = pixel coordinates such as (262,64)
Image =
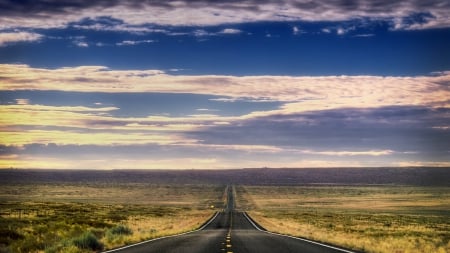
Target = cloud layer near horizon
(312,121)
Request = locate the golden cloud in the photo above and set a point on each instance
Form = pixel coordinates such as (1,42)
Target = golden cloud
(25,123)
(175,163)
(300,93)
(20,138)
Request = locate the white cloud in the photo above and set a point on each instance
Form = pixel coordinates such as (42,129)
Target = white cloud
(137,29)
(297,31)
(22,101)
(365,35)
(340,31)
(344,30)
(81,44)
(349,153)
(206,110)
(422,164)
(207,13)
(202,33)
(298,93)
(25,123)
(230,31)
(226,100)
(175,70)
(133,42)
(13,37)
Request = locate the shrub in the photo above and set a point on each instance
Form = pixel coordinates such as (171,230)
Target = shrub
(88,241)
(121,230)
(7,235)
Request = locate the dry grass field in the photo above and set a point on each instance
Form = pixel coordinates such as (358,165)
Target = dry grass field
(394,219)
(87,210)
(63,217)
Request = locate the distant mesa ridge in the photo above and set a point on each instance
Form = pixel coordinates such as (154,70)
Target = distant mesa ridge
(420,176)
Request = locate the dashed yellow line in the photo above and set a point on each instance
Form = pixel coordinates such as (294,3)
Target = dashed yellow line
(228,237)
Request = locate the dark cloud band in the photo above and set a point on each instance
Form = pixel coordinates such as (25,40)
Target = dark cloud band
(410,14)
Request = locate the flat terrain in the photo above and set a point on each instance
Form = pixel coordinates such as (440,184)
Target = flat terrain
(229,231)
(47,217)
(367,218)
(418,176)
(370,209)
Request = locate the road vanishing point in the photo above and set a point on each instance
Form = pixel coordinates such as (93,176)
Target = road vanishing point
(229,231)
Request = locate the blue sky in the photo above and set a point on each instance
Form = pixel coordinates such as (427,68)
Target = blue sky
(260,48)
(211,85)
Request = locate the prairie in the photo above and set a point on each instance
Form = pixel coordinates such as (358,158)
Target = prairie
(399,219)
(360,208)
(68,217)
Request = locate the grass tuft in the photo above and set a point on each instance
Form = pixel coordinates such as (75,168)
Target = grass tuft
(120,230)
(88,241)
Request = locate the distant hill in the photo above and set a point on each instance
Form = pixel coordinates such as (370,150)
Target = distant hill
(421,176)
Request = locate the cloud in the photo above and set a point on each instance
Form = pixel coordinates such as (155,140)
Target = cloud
(133,42)
(342,130)
(340,30)
(84,138)
(81,44)
(96,118)
(365,35)
(422,164)
(22,101)
(149,156)
(37,135)
(202,33)
(230,31)
(226,100)
(385,131)
(297,93)
(409,14)
(112,24)
(24,114)
(317,120)
(349,153)
(205,33)
(14,37)
(206,110)
(102,163)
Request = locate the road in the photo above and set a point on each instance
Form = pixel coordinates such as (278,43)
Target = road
(230,231)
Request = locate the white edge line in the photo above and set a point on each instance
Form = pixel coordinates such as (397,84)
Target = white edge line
(297,238)
(159,238)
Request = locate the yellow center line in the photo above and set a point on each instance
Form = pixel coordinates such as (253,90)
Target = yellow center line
(228,236)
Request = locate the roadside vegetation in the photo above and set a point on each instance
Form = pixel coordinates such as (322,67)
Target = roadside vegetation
(88,218)
(375,219)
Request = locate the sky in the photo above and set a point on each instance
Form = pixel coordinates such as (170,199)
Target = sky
(201,84)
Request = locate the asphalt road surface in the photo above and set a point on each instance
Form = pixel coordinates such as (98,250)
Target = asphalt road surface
(229,231)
